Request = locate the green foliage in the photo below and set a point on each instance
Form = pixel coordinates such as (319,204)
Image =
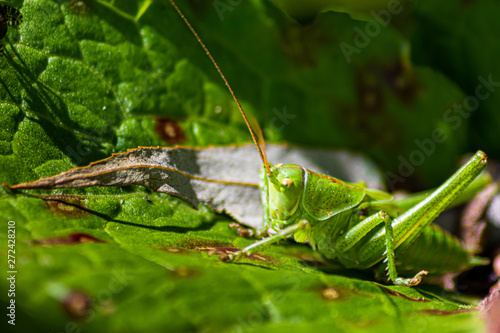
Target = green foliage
(83,79)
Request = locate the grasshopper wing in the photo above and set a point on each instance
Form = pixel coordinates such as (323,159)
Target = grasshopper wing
(326,196)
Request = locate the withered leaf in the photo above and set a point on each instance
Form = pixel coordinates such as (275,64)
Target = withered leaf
(224,178)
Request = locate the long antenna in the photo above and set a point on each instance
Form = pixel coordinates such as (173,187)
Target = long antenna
(260,147)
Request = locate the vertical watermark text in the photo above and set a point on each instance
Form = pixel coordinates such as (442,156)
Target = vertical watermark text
(11,272)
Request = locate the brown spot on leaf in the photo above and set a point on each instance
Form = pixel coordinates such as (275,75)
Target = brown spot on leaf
(197,244)
(401,78)
(185,272)
(69,207)
(77,305)
(221,250)
(330,294)
(176,250)
(398,294)
(373,77)
(81,7)
(302,44)
(75,238)
(447,313)
(224,250)
(377,83)
(169,131)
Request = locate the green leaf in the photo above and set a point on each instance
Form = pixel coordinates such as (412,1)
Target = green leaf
(81,80)
(463,45)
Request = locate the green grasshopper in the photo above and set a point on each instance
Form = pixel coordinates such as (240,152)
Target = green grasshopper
(356,225)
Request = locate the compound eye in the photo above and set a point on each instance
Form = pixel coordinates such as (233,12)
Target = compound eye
(287,182)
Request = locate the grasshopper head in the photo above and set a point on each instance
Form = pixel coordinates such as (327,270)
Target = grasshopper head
(286,185)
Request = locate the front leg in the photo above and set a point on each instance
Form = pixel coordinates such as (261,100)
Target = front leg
(250,232)
(302,224)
